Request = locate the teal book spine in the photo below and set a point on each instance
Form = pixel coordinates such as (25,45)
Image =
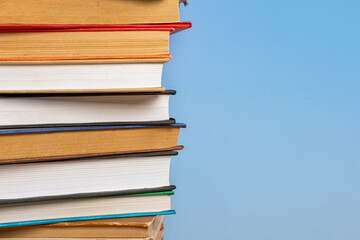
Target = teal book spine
(73,219)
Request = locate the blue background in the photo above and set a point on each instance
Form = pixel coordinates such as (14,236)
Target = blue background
(270,91)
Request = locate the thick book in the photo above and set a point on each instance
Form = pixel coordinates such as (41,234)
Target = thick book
(81,209)
(84,58)
(81,77)
(100,45)
(63,109)
(85,177)
(51,143)
(135,228)
(72,43)
(89,11)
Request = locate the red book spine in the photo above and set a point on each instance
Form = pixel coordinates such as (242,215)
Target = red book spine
(171,27)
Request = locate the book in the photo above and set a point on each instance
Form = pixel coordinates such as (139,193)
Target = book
(19,110)
(85,44)
(81,77)
(81,209)
(29,144)
(135,227)
(89,11)
(84,58)
(85,177)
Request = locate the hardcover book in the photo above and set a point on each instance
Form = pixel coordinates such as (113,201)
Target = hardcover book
(64,109)
(84,58)
(84,44)
(89,11)
(85,177)
(29,144)
(135,228)
(80,78)
(81,209)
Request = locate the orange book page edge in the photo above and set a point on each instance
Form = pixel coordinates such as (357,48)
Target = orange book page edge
(53,158)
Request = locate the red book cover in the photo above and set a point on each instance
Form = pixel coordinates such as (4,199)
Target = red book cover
(171,27)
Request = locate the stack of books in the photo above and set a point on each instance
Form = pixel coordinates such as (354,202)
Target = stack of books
(86,138)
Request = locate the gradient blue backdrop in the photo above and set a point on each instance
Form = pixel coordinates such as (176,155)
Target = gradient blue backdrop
(270,91)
